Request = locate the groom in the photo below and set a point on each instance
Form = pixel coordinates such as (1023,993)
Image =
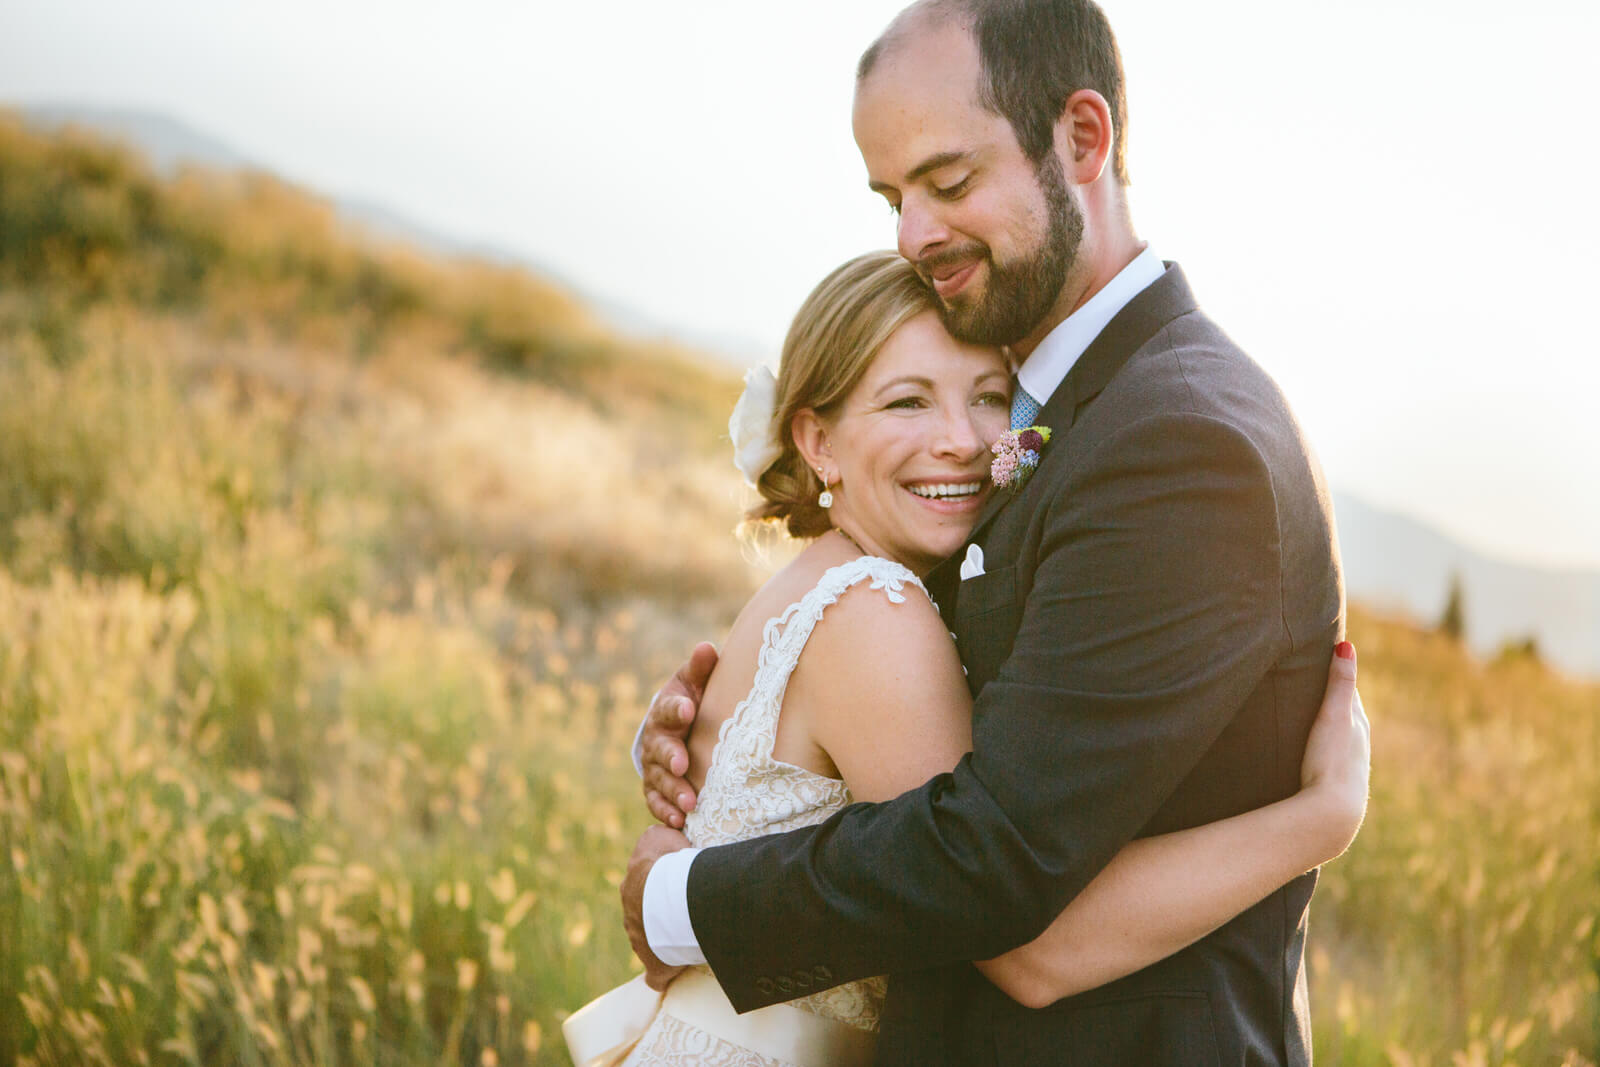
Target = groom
(1146,638)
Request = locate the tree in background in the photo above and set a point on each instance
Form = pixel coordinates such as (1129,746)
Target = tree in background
(1519,648)
(1453,623)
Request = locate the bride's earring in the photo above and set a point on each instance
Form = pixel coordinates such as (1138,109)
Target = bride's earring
(825,500)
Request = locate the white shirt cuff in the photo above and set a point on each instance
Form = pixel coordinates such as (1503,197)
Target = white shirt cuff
(666,910)
(638,738)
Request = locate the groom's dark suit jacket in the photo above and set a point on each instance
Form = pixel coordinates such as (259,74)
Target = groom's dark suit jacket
(1147,649)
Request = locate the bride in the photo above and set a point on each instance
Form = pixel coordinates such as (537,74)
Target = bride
(839,683)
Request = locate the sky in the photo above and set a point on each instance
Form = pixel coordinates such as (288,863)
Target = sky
(1386,202)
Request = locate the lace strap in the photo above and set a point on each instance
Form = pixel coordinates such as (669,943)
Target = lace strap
(785,637)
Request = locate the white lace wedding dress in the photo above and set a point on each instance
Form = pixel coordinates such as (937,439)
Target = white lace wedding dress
(748,793)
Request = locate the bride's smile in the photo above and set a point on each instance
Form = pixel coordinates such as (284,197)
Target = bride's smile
(906,453)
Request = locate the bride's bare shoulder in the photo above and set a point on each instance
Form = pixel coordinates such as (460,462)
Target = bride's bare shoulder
(883,618)
(881,689)
(869,620)
(744,639)
(792,582)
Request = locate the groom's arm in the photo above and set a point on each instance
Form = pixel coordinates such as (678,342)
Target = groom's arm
(1155,611)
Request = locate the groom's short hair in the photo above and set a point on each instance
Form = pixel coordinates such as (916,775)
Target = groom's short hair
(1034,55)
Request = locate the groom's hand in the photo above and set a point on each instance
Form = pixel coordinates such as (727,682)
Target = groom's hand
(655,843)
(663,743)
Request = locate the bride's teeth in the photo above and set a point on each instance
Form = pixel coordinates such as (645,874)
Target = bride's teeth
(933,492)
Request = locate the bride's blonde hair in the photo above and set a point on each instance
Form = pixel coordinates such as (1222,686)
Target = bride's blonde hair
(834,337)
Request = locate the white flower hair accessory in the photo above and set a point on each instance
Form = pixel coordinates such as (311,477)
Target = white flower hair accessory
(755,446)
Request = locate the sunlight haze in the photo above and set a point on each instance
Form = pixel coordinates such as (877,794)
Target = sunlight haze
(1387,204)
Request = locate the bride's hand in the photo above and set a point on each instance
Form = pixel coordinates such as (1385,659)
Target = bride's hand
(1338,760)
(663,741)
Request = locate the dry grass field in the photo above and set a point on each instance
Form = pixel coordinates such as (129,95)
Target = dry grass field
(332,583)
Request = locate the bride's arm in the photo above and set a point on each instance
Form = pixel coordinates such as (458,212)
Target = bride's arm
(1160,894)
(880,694)
(893,718)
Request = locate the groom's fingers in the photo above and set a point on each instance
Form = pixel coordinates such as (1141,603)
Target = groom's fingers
(663,811)
(663,743)
(658,777)
(670,754)
(697,672)
(665,762)
(671,712)
(674,706)
(670,718)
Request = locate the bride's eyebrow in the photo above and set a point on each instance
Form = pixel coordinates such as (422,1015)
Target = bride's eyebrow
(904,379)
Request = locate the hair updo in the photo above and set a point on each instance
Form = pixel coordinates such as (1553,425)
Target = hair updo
(834,338)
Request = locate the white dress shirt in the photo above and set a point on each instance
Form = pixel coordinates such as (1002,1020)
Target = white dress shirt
(666,891)
(1048,364)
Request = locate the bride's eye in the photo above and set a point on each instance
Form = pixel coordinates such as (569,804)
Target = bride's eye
(906,403)
(995,399)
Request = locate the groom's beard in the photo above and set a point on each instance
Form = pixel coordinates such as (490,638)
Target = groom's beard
(1022,292)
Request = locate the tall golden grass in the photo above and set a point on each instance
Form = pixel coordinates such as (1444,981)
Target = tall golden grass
(333,580)
(1460,927)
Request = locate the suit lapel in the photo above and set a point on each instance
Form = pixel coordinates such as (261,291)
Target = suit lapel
(1146,315)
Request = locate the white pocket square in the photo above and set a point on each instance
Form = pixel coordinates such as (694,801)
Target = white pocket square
(972,566)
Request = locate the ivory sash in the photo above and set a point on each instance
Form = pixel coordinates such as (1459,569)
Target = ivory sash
(604,1031)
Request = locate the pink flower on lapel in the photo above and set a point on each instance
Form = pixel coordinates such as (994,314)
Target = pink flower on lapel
(1016,456)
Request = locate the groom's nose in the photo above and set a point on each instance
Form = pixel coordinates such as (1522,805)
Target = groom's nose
(920,230)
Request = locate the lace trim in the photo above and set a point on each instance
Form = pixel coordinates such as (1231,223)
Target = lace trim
(671,1042)
(748,793)
(742,769)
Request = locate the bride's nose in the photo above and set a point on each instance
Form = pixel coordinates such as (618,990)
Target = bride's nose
(959,437)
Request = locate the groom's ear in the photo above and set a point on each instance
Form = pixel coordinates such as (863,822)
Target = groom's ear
(1085,136)
(811,438)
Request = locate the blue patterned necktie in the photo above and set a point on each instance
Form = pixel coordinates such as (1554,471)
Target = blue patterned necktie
(1024,409)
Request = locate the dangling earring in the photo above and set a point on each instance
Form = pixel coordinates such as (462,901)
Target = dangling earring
(826,499)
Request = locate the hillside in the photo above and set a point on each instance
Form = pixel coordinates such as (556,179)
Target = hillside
(255,284)
(1390,559)
(324,571)
(1461,926)
(333,579)
(1397,562)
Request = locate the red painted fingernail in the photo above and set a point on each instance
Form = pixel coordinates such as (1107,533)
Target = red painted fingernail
(1344,650)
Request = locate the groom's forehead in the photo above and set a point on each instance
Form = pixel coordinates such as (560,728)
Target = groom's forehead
(930,80)
(934,63)
(926,82)
(909,113)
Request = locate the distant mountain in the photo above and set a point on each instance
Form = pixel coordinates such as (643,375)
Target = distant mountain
(167,143)
(170,143)
(1396,562)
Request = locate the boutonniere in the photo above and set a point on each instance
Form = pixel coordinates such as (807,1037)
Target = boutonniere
(1016,455)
